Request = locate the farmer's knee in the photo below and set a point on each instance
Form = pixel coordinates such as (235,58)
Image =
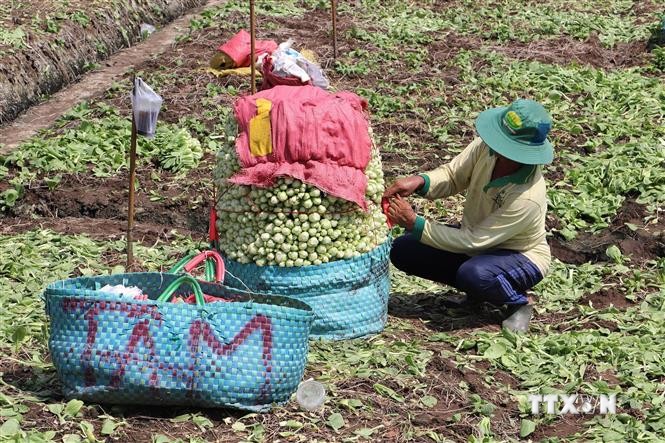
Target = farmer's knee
(473,277)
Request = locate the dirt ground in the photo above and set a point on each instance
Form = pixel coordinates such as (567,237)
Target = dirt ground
(96,207)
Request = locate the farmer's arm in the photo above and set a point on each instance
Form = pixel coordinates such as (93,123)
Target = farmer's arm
(454,177)
(497,228)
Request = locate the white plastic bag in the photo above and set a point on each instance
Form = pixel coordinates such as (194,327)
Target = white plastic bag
(125,291)
(146,29)
(315,73)
(146,104)
(285,62)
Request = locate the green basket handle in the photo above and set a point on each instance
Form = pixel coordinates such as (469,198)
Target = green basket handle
(178,267)
(214,265)
(170,289)
(210,270)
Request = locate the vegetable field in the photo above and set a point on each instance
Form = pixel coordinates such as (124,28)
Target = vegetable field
(427,68)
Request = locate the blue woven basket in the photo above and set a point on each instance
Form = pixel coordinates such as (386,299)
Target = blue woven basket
(247,353)
(349,297)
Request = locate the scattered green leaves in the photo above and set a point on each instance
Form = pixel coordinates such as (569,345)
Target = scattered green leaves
(335,421)
(527,427)
(429,401)
(97,143)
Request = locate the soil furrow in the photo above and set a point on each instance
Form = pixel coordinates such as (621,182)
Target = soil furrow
(27,75)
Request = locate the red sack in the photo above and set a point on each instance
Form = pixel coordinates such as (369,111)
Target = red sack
(270,80)
(238,48)
(317,137)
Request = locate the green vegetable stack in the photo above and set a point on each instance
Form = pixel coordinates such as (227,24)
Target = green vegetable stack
(293,223)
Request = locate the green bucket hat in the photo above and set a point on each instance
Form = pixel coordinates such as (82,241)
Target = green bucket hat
(518,132)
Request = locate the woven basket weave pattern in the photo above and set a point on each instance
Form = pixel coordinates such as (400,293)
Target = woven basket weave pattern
(248,353)
(349,297)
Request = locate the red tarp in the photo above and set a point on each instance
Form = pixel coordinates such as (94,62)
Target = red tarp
(317,137)
(239,48)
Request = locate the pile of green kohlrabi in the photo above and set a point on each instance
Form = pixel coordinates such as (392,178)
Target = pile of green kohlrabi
(294,223)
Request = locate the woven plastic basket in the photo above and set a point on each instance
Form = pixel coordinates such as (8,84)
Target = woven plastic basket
(247,353)
(349,297)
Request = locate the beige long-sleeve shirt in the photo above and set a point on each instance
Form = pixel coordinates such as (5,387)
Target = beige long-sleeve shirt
(505,213)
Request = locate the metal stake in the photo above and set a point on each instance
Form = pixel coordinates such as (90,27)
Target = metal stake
(252,32)
(132,177)
(333,7)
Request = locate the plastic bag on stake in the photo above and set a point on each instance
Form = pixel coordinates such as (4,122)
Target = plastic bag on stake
(146,104)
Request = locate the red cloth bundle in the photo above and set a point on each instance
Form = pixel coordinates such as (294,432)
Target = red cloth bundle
(238,48)
(317,137)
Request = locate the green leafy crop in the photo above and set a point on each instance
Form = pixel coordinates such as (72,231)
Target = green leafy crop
(99,145)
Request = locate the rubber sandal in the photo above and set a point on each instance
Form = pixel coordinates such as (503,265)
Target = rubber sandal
(519,320)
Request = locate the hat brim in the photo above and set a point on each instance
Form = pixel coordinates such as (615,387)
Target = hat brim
(488,125)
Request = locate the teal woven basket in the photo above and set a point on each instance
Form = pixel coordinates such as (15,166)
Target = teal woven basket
(349,297)
(247,353)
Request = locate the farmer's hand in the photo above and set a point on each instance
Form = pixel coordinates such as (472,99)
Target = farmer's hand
(401,213)
(404,186)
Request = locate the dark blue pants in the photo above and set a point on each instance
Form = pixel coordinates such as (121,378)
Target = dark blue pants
(498,276)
